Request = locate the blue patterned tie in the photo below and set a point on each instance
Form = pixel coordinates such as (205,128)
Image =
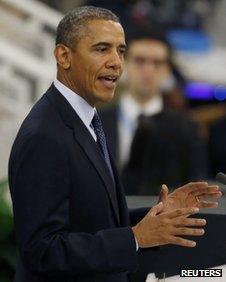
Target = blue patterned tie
(101,141)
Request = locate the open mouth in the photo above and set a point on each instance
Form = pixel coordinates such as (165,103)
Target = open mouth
(109,81)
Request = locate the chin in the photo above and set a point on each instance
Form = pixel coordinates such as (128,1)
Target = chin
(147,91)
(106,97)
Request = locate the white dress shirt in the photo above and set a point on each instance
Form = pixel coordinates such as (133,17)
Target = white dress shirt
(81,107)
(127,122)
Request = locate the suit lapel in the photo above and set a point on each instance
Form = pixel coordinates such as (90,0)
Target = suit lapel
(92,150)
(87,143)
(122,205)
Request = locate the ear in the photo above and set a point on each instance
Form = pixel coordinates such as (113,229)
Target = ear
(63,56)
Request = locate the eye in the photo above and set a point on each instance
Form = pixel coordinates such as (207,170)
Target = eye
(122,51)
(101,49)
(138,60)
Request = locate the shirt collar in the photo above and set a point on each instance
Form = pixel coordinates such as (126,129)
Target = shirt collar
(82,108)
(132,109)
(129,108)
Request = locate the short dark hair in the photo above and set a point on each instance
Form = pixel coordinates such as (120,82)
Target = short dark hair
(71,28)
(150,33)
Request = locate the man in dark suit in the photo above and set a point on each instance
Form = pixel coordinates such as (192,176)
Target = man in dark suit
(71,218)
(151,142)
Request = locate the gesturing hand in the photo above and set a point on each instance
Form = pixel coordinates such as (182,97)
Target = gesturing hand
(193,194)
(157,228)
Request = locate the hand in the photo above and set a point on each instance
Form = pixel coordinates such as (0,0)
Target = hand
(157,228)
(193,194)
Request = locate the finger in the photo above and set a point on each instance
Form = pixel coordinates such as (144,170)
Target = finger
(155,209)
(209,198)
(165,191)
(193,186)
(183,221)
(214,186)
(188,231)
(181,212)
(182,242)
(215,195)
(205,191)
(205,204)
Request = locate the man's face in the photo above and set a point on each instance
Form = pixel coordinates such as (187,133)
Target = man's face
(96,63)
(147,66)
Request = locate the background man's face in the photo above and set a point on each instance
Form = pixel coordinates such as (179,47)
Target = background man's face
(147,66)
(97,62)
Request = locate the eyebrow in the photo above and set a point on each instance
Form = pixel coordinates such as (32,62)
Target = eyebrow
(107,45)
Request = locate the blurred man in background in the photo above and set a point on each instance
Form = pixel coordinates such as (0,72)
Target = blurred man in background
(151,143)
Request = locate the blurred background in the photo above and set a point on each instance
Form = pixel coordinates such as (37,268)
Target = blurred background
(196,87)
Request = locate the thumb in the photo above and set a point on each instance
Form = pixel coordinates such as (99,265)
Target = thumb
(164,193)
(156,209)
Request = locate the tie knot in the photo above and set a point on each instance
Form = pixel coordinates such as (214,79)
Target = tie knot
(142,119)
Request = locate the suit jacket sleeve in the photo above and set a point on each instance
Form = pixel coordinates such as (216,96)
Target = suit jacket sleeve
(40,187)
(137,214)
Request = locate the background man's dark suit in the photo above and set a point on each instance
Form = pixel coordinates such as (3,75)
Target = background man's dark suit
(71,222)
(166,149)
(217,149)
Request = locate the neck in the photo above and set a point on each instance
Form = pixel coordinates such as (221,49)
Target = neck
(64,79)
(141,98)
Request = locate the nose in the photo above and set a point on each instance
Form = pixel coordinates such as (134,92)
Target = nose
(115,61)
(149,67)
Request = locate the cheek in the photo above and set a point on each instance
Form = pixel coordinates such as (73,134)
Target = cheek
(88,76)
(134,74)
(165,73)
(162,77)
(94,72)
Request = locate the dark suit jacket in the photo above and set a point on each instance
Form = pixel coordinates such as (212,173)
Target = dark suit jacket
(71,222)
(167,150)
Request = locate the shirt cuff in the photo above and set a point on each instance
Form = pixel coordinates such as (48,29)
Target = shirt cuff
(137,246)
